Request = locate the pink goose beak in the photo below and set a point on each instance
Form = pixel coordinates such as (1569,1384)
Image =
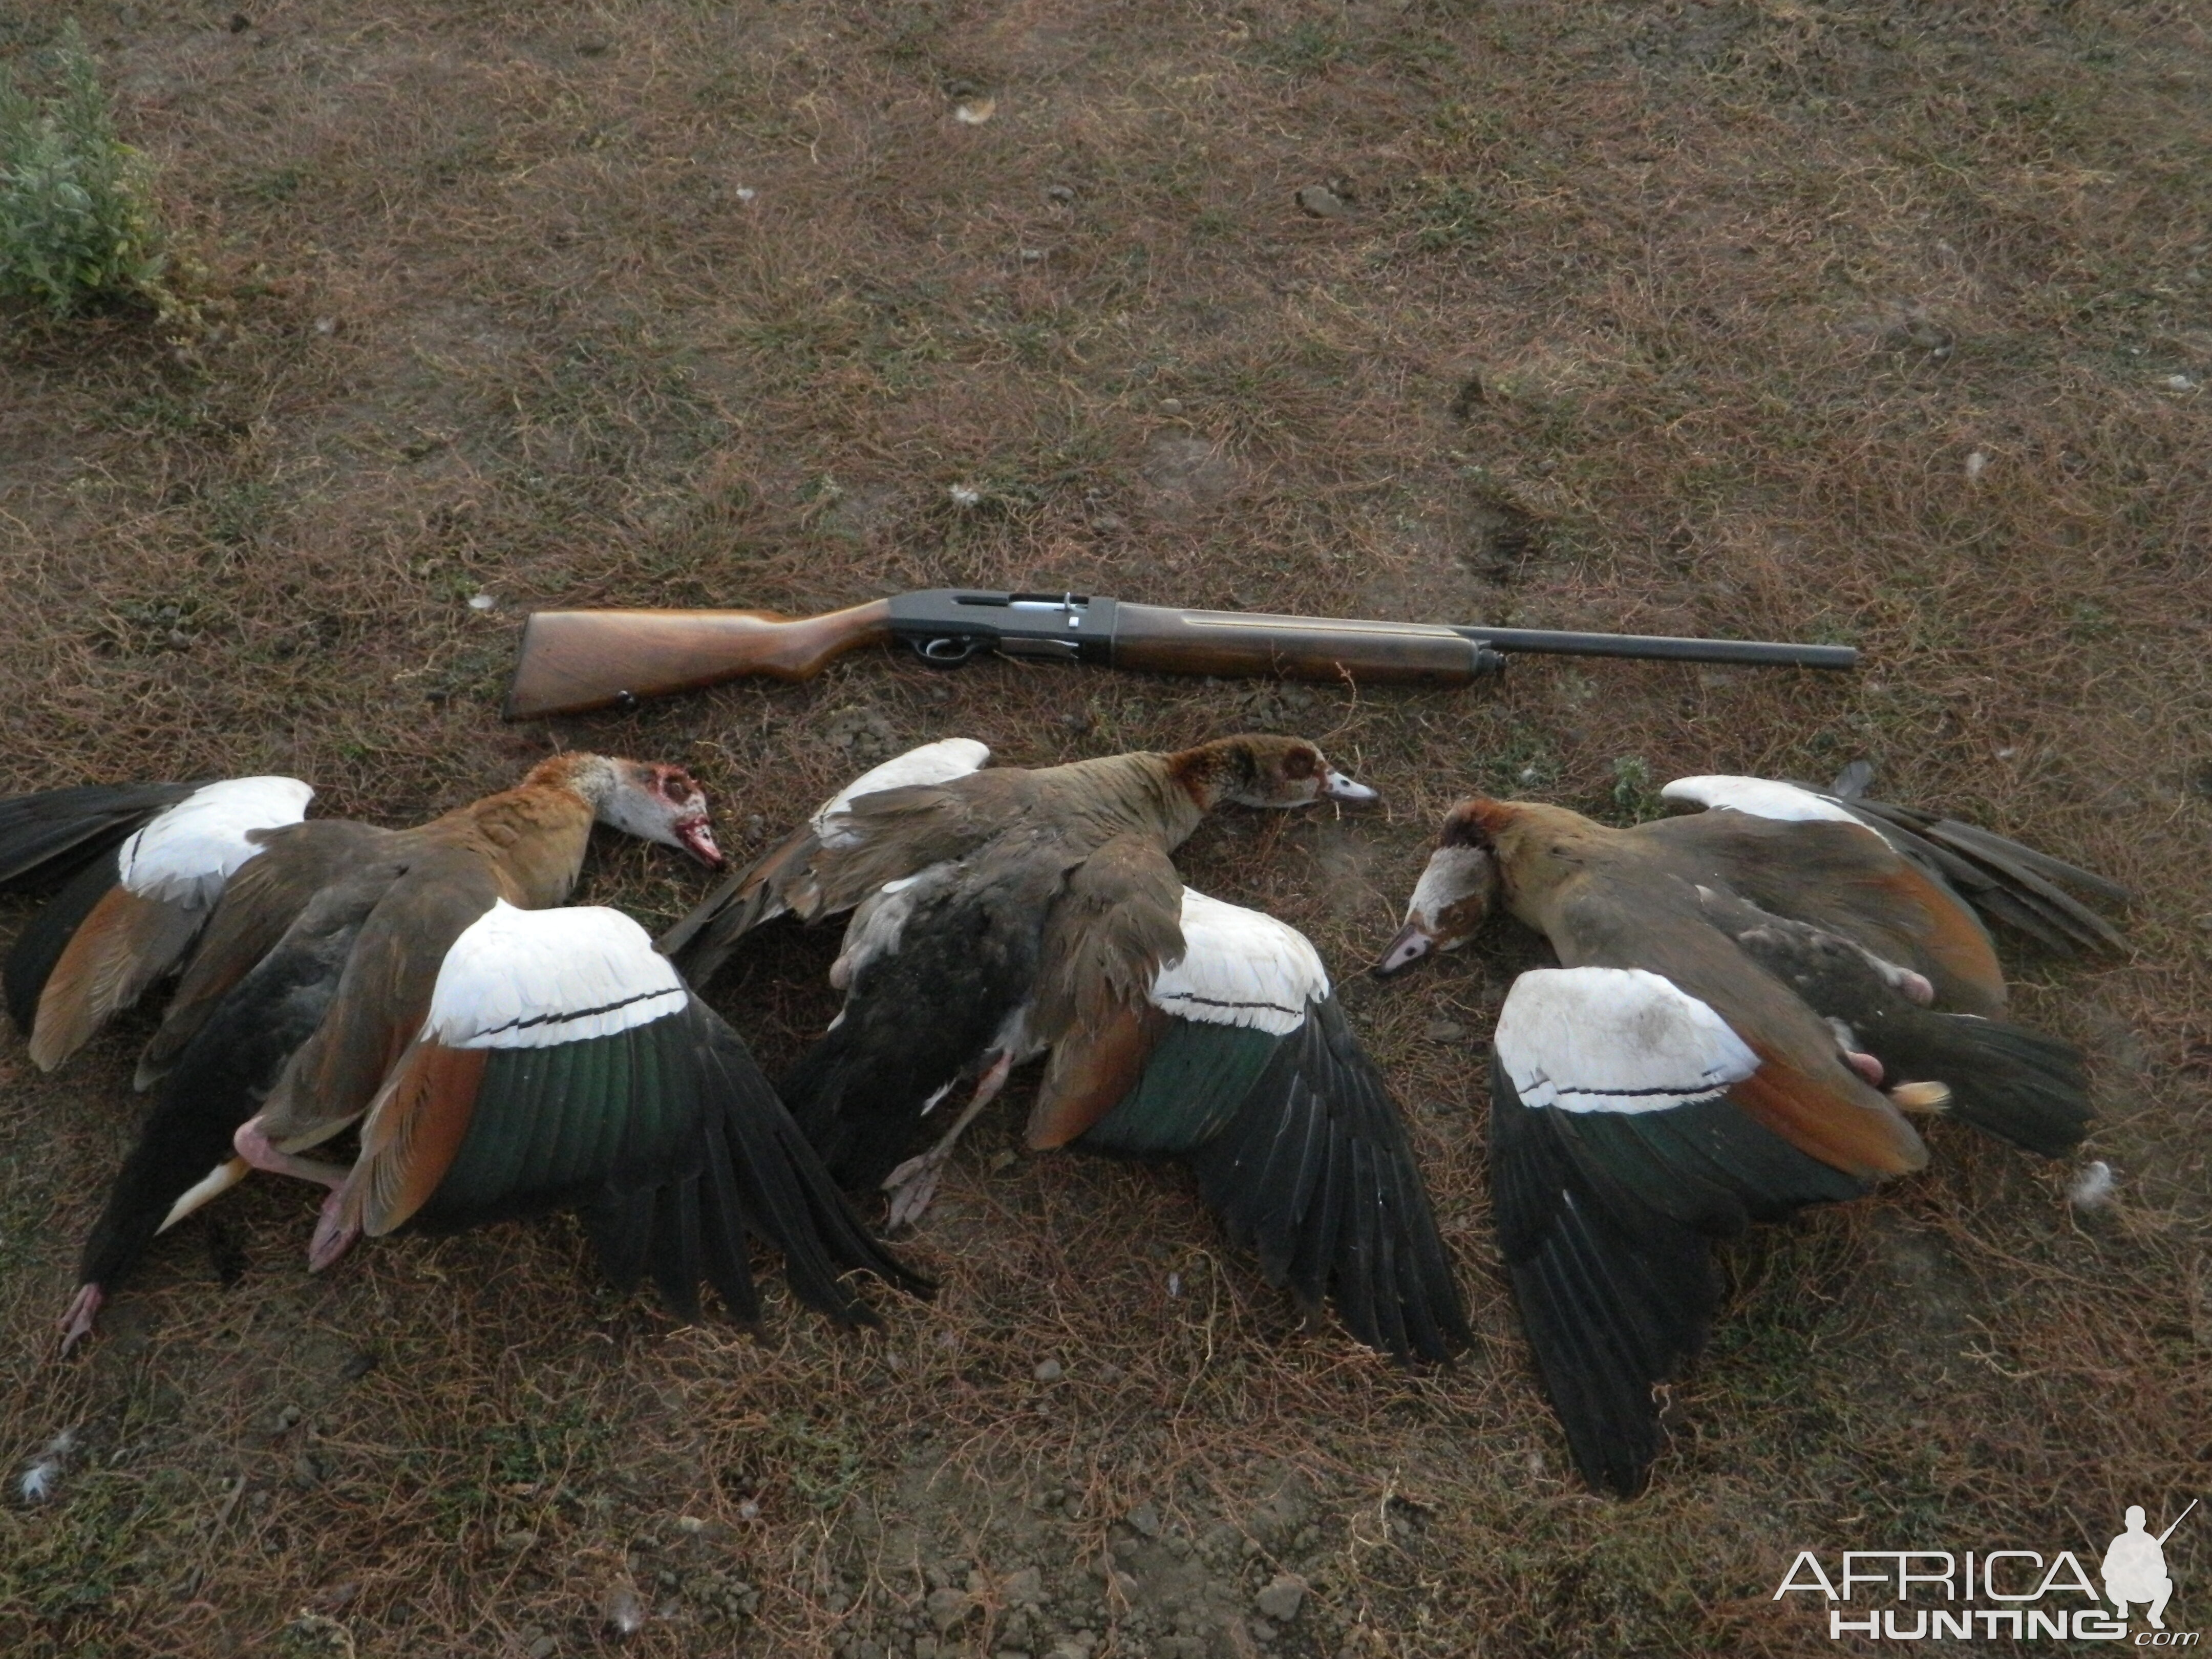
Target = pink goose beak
(1414,942)
(697,836)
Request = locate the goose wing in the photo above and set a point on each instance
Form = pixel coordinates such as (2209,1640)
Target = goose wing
(46,835)
(702,942)
(1629,1126)
(127,917)
(1802,855)
(563,1063)
(1236,1059)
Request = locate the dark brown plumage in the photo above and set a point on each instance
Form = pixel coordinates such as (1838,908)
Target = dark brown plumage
(997,915)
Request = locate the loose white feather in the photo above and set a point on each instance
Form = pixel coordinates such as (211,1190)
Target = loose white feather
(1763,797)
(933,763)
(2092,1188)
(1614,1040)
(1239,968)
(186,855)
(46,1471)
(535,979)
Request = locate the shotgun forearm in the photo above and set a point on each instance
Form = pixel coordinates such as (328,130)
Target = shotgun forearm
(1234,643)
(574,660)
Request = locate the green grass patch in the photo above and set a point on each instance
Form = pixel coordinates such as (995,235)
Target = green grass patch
(77,226)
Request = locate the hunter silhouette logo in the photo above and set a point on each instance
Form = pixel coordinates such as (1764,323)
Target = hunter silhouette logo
(2134,1567)
(2021,1596)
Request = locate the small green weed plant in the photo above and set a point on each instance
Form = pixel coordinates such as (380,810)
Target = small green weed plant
(77,229)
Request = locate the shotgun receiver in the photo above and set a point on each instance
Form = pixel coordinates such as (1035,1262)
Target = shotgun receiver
(574,660)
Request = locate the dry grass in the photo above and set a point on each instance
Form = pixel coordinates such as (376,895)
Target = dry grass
(1742,289)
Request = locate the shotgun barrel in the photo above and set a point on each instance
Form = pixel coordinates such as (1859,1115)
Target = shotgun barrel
(576,660)
(1665,647)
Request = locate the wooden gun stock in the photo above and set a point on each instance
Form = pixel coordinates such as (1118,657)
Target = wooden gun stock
(575,661)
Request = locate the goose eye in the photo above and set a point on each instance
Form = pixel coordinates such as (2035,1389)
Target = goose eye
(676,787)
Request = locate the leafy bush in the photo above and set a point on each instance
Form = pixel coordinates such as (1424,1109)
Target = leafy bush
(76,220)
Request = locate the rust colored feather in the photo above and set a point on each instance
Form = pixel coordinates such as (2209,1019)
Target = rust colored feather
(118,950)
(1957,943)
(1863,1137)
(413,1132)
(1089,1072)
(1106,939)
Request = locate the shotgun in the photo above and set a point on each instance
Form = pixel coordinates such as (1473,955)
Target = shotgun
(575,661)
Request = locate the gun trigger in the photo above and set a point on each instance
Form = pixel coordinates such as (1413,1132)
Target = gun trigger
(948,651)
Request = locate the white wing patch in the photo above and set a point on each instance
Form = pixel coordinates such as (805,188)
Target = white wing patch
(1763,797)
(933,763)
(1239,968)
(186,855)
(1614,1040)
(535,979)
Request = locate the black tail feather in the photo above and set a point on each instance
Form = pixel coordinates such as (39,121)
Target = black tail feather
(2018,1084)
(45,837)
(176,1148)
(2007,882)
(862,1124)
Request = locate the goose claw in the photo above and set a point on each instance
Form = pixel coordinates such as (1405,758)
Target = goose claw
(912,1186)
(76,1323)
(334,1233)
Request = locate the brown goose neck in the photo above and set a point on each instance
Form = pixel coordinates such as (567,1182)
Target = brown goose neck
(536,833)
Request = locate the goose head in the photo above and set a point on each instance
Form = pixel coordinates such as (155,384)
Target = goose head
(1257,768)
(1454,896)
(656,802)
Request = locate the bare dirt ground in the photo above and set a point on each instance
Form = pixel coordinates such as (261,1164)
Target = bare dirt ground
(1877,322)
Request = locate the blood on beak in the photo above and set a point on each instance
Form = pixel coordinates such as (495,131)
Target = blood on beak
(698,838)
(1337,786)
(1412,943)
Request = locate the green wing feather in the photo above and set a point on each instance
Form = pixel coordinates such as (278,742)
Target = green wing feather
(1299,1147)
(559,1125)
(1192,1085)
(676,1149)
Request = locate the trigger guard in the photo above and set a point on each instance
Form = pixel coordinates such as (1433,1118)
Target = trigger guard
(950,650)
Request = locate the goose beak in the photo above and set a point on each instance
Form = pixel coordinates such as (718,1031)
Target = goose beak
(697,836)
(1414,942)
(1337,786)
